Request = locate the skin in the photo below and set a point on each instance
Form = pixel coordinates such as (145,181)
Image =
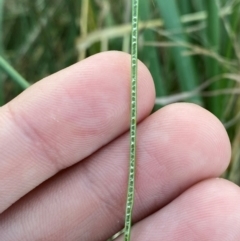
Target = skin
(64,147)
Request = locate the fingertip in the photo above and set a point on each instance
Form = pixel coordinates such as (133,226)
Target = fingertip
(204,131)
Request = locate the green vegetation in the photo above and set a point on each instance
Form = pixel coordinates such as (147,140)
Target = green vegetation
(190,46)
(13,74)
(185,68)
(133,122)
(1,52)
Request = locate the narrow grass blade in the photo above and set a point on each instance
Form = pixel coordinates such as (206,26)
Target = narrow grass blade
(133,123)
(235,164)
(109,20)
(232,102)
(1,25)
(212,66)
(230,52)
(15,76)
(199,5)
(149,55)
(93,25)
(185,6)
(186,71)
(1,52)
(84,24)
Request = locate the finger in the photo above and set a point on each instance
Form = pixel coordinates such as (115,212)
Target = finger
(65,118)
(208,211)
(178,146)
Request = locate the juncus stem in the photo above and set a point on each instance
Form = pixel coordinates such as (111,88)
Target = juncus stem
(16,77)
(133,123)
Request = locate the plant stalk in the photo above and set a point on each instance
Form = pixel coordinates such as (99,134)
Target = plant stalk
(133,123)
(16,77)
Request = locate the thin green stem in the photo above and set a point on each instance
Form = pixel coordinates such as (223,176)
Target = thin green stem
(16,77)
(213,33)
(149,54)
(1,25)
(1,52)
(133,124)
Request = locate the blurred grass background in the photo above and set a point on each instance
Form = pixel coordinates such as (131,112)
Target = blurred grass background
(191,47)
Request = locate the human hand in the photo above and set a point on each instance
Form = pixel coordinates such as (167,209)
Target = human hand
(64,162)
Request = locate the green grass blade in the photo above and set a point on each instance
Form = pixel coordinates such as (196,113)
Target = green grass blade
(185,6)
(1,52)
(16,77)
(186,71)
(1,25)
(149,55)
(229,49)
(199,5)
(133,123)
(212,66)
